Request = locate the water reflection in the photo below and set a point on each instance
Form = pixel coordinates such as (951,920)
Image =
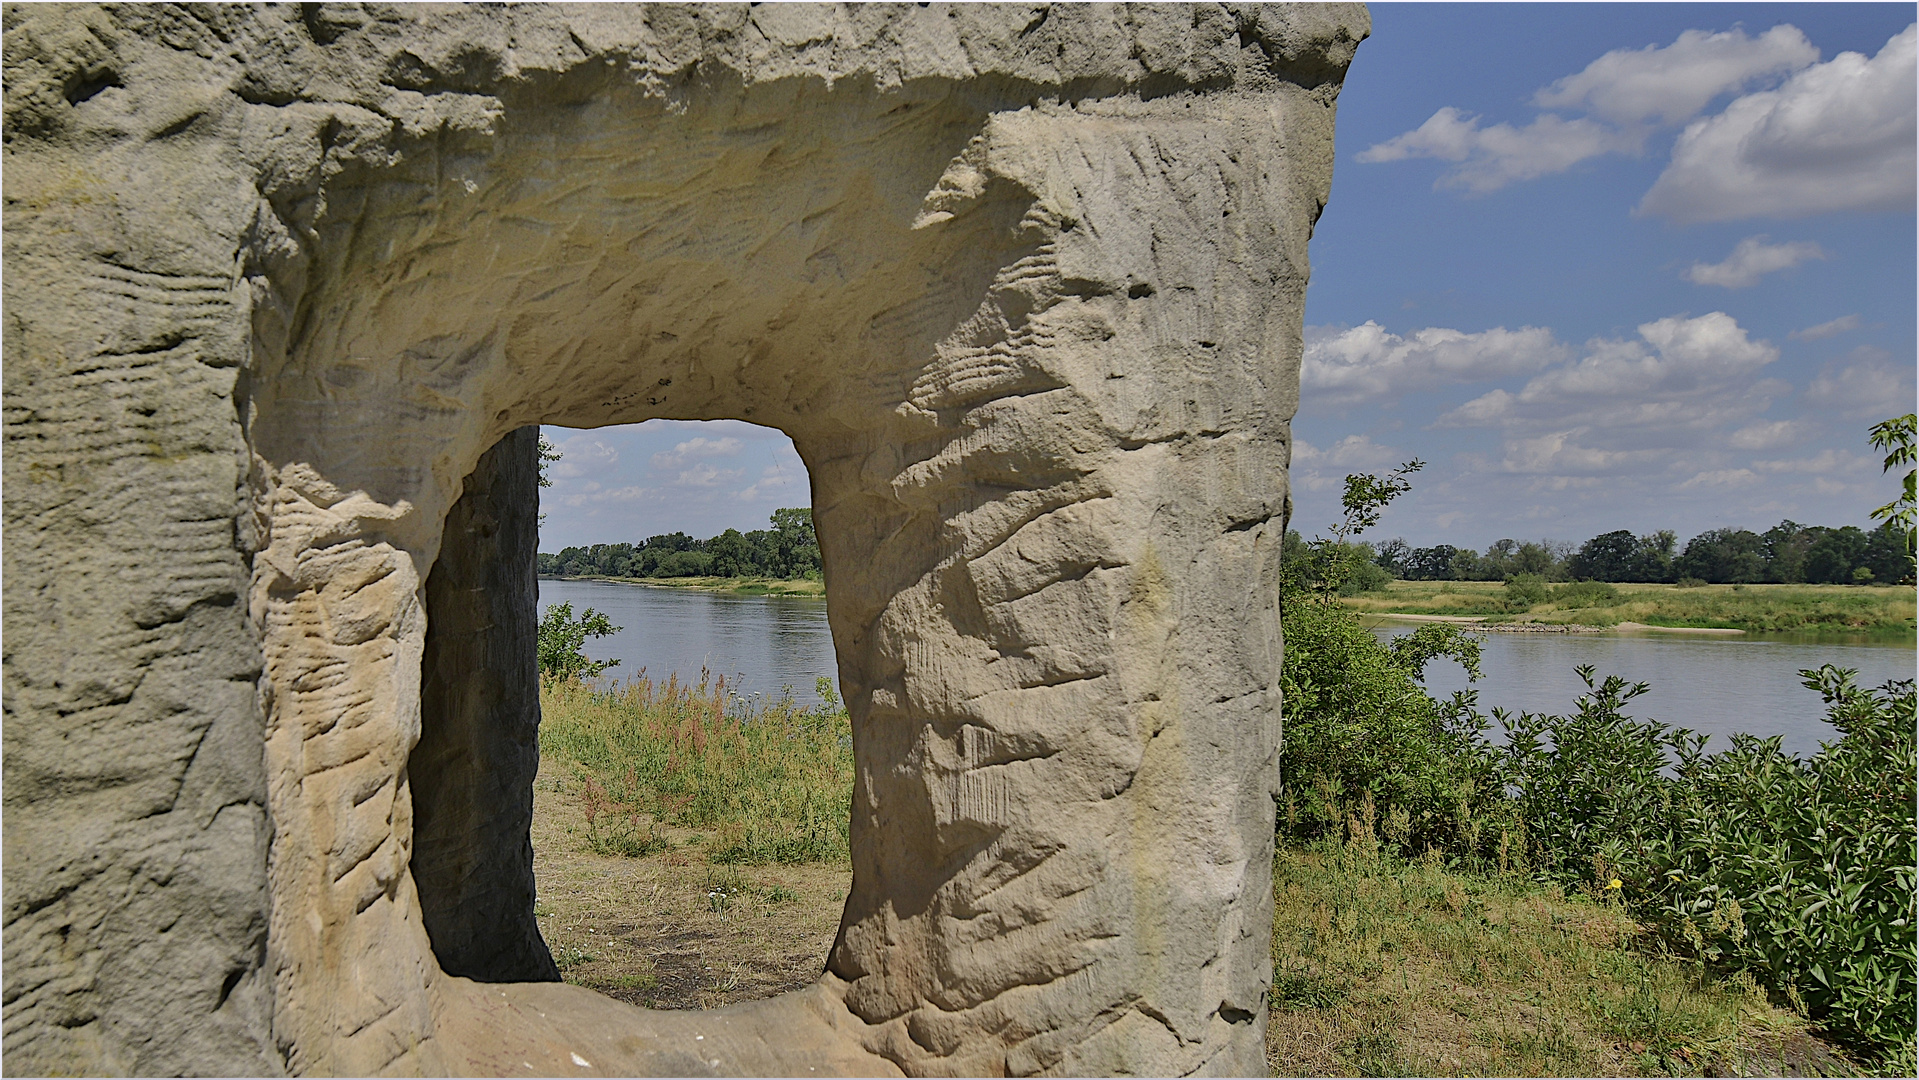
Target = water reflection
(759,643)
(1713,685)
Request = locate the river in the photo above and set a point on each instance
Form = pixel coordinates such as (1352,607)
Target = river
(1715,685)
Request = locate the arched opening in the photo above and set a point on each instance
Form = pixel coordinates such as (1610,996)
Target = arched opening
(690,821)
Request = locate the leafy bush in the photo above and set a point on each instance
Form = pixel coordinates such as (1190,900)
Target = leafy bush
(562,639)
(1691,583)
(1525,590)
(1800,871)
(1585,594)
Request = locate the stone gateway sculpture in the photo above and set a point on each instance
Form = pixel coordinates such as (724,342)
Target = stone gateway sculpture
(285,288)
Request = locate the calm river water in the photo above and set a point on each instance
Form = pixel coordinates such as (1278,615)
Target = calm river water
(1716,685)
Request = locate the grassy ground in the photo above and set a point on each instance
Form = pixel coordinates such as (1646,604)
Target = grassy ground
(1754,608)
(1384,968)
(670,929)
(664,839)
(740,586)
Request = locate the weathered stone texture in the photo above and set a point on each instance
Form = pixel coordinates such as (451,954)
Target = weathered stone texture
(1024,283)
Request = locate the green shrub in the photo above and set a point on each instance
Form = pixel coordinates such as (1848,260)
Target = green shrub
(1360,731)
(1800,871)
(1691,583)
(1525,590)
(1585,594)
(562,639)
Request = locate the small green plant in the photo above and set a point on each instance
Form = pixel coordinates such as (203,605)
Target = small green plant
(562,639)
(1302,988)
(723,890)
(568,957)
(780,894)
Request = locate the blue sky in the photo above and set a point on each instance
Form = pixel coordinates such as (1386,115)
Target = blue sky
(1600,266)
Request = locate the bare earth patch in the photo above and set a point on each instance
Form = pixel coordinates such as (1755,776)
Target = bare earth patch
(669,930)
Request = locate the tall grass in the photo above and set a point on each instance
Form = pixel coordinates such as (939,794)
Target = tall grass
(765,783)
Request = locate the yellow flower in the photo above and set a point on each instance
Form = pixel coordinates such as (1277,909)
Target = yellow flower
(1614,885)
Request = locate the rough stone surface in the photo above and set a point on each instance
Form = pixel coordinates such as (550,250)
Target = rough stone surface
(1023,283)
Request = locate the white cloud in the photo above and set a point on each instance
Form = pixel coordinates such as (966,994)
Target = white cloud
(1768,436)
(1366,362)
(1631,402)
(1841,325)
(1720,478)
(1836,136)
(1559,452)
(1824,463)
(1489,158)
(696,447)
(583,455)
(706,475)
(1671,84)
(773,480)
(1318,470)
(1627,92)
(1865,385)
(1752,260)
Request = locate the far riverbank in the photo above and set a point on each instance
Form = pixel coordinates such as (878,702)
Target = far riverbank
(737,586)
(1879,611)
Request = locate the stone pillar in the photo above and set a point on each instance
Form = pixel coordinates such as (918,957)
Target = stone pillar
(1057,615)
(472,772)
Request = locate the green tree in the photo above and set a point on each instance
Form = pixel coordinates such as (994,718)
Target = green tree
(562,639)
(548,455)
(1359,728)
(1897,437)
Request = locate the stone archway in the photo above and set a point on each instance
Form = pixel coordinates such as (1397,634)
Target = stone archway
(1024,286)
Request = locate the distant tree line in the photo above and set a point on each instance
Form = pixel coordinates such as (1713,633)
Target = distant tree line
(1787,553)
(787,551)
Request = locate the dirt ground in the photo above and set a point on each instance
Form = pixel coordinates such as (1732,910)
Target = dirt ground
(669,930)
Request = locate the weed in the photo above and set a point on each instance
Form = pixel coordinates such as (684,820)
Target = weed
(568,957)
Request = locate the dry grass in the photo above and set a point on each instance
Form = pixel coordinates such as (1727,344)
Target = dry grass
(1384,968)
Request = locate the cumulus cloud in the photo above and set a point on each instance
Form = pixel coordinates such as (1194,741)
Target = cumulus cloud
(1768,436)
(1318,469)
(773,480)
(1864,384)
(1628,93)
(1835,136)
(1489,158)
(1713,478)
(1682,373)
(1673,83)
(697,447)
(1366,362)
(1752,260)
(583,456)
(707,475)
(1841,325)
